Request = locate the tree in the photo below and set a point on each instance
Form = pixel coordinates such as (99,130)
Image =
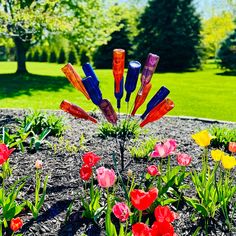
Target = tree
(119,39)
(29,21)
(72,57)
(29,56)
(44,56)
(215,30)
(227,52)
(36,56)
(170,29)
(84,58)
(53,56)
(62,56)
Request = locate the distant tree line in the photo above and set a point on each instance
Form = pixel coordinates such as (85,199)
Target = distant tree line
(172,29)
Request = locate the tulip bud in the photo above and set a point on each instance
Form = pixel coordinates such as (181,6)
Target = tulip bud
(38,164)
(129,173)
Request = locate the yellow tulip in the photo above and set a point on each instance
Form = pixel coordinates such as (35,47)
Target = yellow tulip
(228,162)
(217,154)
(202,138)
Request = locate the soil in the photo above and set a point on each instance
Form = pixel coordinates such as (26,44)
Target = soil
(62,164)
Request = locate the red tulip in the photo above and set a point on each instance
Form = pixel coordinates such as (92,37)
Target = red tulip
(184,159)
(75,79)
(141,229)
(121,211)
(85,172)
(153,170)
(159,111)
(140,98)
(5,153)
(76,111)
(90,159)
(16,224)
(106,177)
(142,200)
(232,146)
(163,213)
(162,229)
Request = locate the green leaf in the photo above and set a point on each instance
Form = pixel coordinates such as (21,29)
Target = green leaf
(122,230)
(201,209)
(148,176)
(168,201)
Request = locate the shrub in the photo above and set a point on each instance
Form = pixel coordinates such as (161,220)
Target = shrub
(62,56)
(83,57)
(143,150)
(227,52)
(38,122)
(72,57)
(223,136)
(44,56)
(36,56)
(53,56)
(124,130)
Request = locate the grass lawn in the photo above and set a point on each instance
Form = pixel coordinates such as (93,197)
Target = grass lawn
(208,93)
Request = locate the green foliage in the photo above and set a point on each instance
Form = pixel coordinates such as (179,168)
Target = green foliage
(65,145)
(83,22)
(38,201)
(30,56)
(62,56)
(44,56)
(227,52)
(37,140)
(72,57)
(53,56)
(171,30)
(215,191)
(9,201)
(215,30)
(144,149)
(126,129)
(83,57)
(36,56)
(38,121)
(119,39)
(223,136)
(16,139)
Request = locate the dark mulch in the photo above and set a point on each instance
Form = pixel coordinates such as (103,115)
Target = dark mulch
(65,184)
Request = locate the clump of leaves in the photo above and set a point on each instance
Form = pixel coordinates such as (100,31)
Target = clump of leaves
(126,129)
(66,145)
(223,136)
(143,150)
(38,121)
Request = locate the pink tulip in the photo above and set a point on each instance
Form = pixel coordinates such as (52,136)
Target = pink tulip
(38,164)
(153,170)
(121,211)
(184,159)
(164,149)
(106,177)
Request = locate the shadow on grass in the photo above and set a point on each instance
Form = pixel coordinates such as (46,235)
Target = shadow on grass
(227,73)
(15,85)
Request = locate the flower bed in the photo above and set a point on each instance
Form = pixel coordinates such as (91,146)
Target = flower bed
(65,184)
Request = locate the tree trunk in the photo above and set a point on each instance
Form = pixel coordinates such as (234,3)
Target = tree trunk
(21,49)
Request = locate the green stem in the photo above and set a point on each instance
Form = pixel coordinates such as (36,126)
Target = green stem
(161,162)
(126,227)
(140,216)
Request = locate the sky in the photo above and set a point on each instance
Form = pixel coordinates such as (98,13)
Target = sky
(206,8)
